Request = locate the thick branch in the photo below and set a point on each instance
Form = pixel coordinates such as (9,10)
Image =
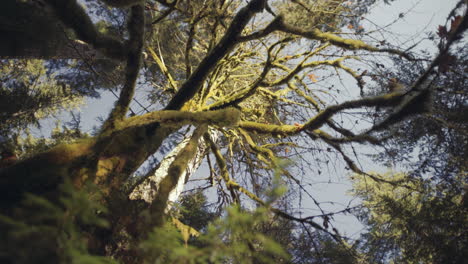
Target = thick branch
(226,44)
(75,17)
(135,26)
(147,187)
(223,117)
(324,116)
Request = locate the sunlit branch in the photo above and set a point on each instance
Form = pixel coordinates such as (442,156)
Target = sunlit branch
(223,117)
(266,152)
(223,170)
(292,73)
(315,34)
(175,171)
(163,69)
(225,45)
(238,97)
(278,97)
(301,93)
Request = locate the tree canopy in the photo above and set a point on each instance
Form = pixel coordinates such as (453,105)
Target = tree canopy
(266,94)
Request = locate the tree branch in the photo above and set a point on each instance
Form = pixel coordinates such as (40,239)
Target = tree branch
(134,45)
(315,34)
(223,170)
(324,116)
(226,44)
(75,17)
(223,117)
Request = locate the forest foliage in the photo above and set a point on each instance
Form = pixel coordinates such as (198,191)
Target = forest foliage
(260,98)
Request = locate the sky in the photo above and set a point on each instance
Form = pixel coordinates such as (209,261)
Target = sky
(419,17)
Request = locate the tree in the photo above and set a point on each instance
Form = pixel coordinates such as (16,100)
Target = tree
(251,81)
(416,222)
(421,219)
(445,124)
(304,245)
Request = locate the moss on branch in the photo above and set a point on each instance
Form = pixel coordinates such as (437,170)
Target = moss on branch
(222,165)
(315,34)
(123,3)
(134,45)
(74,16)
(43,172)
(180,163)
(268,128)
(323,117)
(223,117)
(107,160)
(193,84)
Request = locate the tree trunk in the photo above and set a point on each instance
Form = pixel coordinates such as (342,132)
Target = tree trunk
(148,188)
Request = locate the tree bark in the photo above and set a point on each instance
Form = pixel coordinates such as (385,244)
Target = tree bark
(148,188)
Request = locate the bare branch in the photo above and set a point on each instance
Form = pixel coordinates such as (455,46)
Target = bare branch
(315,34)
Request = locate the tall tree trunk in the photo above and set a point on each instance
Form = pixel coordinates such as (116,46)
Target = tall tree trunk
(148,188)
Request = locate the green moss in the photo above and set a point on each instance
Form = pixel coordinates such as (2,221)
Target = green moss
(42,173)
(75,17)
(224,117)
(267,128)
(65,153)
(175,170)
(122,3)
